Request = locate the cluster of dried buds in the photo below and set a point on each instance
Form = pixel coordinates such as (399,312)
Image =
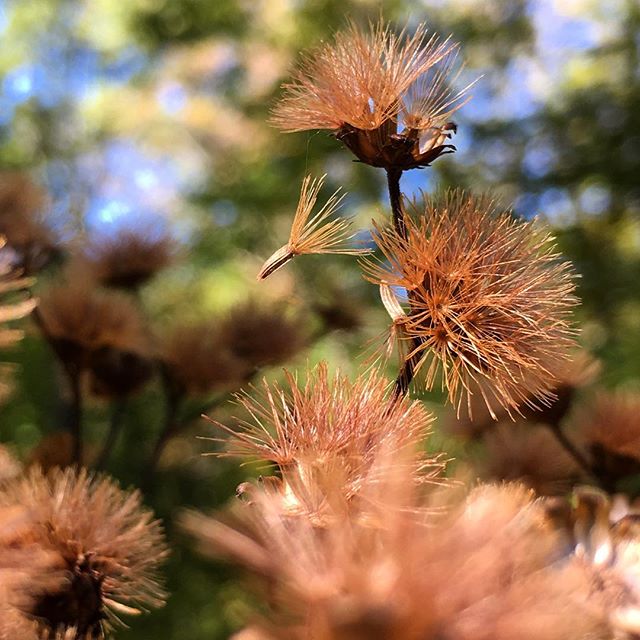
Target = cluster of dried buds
(354,533)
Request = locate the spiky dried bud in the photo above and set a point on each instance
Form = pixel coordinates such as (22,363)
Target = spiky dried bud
(387,97)
(327,435)
(530,454)
(22,204)
(312,234)
(488,300)
(263,335)
(107,546)
(610,427)
(80,321)
(130,257)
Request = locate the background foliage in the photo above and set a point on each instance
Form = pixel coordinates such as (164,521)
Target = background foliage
(155,111)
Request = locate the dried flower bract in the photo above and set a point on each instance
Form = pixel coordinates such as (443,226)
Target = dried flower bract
(312,234)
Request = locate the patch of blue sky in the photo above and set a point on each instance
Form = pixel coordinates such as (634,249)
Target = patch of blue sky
(128,64)
(172,97)
(539,158)
(555,204)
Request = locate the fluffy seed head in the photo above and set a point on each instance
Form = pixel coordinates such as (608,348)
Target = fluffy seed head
(129,258)
(80,319)
(388,97)
(488,299)
(107,546)
(328,434)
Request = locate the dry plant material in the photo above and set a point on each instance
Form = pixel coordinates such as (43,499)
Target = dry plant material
(484,571)
(327,435)
(387,97)
(569,377)
(489,300)
(313,233)
(79,320)
(198,360)
(106,545)
(22,204)
(528,453)
(610,427)
(129,258)
(261,334)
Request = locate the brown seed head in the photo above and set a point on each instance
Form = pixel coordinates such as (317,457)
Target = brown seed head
(328,434)
(528,453)
(80,319)
(386,96)
(22,204)
(489,299)
(610,426)
(129,258)
(485,571)
(312,234)
(263,335)
(198,359)
(106,544)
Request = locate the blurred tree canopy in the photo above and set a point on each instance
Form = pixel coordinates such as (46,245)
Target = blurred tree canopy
(155,112)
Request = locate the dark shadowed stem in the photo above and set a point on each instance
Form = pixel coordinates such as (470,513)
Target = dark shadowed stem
(118,412)
(572,450)
(73,373)
(170,427)
(407,372)
(395,196)
(75,415)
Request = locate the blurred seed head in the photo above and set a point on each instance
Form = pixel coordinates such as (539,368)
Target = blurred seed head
(489,300)
(198,359)
(107,546)
(263,335)
(484,571)
(527,453)
(610,427)
(22,205)
(80,320)
(387,97)
(129,258)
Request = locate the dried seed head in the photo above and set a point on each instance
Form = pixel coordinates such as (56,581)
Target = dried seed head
(610,427)
(386,96)
(79,320)
(129,258)
(198,359)
(312,234)
(105,543)
(22,204)
(328,434)
(488,300)
(485,571)
(263,335)
(528,453)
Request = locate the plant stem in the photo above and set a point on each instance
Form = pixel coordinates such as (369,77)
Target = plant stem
(173,401)
(572,450)
(395,198)
(75,414)
(407,371)
(118,410)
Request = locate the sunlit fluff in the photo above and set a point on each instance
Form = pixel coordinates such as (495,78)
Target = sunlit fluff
(312,233)
(388,97)
(484,571)
(328,434)
(488,299)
